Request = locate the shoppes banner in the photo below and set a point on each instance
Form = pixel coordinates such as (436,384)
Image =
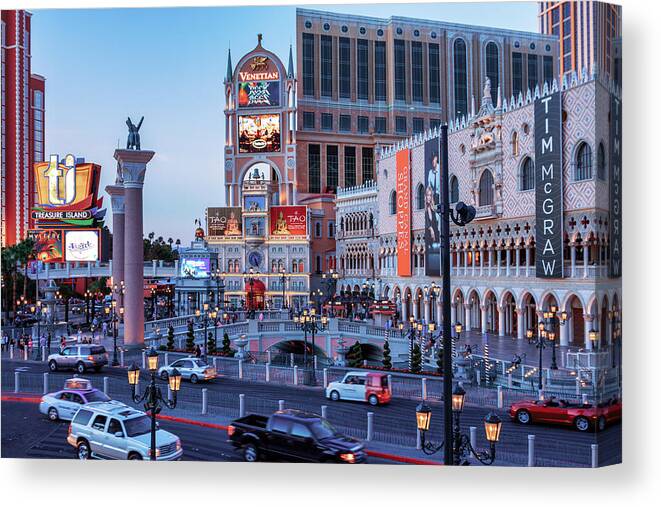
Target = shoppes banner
(615,173)
(403,189)
(548,186)
(432,197)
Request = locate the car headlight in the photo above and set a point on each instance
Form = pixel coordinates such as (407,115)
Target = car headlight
(178,445)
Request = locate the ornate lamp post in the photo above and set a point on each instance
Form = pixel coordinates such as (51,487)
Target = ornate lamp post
(539,342)
(153,398)
(614,317)
(460,442)
(283,285)
(219,277)
(310,322)
(550,317)
(250,280)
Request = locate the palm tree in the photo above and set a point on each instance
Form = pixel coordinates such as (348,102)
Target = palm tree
(151,236)
(170,241)
(8,270)
(178,242)
(160,240)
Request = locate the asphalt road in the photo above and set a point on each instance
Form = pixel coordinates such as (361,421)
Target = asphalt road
(393,423)
(28,434)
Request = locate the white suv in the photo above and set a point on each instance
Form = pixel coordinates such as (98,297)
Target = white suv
(112,430)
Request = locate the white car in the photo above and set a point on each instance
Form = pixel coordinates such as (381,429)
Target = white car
(111,431)
(369,387)
(191,368)
(64,404)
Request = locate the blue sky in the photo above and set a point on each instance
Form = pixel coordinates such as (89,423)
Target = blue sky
(168,65)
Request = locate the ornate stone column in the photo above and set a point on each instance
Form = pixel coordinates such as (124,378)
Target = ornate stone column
(453,317)
(116,193)
(483,308)
(132,167)
(467,316)
(587,320)
(427,309)
(520,331)
(501,321)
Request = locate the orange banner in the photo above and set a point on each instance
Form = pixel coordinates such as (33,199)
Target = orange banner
(403,163)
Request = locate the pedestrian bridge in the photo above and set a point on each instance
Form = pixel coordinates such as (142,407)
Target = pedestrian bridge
(65,270)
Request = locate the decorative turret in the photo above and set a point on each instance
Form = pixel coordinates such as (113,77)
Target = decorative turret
(228,76)
(290,65)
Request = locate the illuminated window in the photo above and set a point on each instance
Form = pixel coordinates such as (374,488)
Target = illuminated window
(527,181)
(460,79)
(583,163)
(491,55)
(393,202)
(486,188)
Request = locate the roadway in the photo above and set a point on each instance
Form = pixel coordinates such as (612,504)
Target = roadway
(394,424)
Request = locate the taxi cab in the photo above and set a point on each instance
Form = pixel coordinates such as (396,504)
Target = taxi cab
(361,386)
(65,403)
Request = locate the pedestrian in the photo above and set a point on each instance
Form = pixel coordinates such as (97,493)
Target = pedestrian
(198,351)
(80,335)
(261,316)
(30,345)
(63,342)
(5,340)
(104,328)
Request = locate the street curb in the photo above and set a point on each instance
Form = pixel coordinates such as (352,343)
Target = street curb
(221,427)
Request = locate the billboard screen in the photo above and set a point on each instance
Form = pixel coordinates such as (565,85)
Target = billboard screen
(432,197)
(224,221)
(47,245)
(259,94)
(259,133)
(195,268)
(403,189)
(81,245)
(289,221)
(548,186)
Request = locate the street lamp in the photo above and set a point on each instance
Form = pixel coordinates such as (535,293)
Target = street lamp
(614,317)
(594,338)
(461,444)
(283,284)
(219,277)
(310,322)
(152,396)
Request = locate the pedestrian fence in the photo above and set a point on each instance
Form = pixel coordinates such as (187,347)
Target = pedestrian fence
(196,401)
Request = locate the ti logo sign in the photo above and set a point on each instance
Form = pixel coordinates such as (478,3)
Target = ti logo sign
(61,182)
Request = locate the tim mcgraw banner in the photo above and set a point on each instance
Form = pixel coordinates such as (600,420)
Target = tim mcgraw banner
(615,222)
(432,197)
(548,186)
(403,189)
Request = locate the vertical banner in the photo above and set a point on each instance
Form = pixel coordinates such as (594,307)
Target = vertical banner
(615,191)
(403,188)
(432,198)
(548,186)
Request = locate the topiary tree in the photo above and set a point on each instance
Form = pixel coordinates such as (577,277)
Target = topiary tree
(226,350)
(439,360)
(416,359)
(211,345)
(387,359)
(190,338)
(355,355)
(170,342)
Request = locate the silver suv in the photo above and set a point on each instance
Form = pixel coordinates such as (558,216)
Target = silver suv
(79,358)
(112,430)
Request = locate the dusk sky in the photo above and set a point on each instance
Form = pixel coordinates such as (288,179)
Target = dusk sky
(168,65)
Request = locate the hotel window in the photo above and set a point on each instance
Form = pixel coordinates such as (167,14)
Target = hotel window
(460,79)
(393,203)
(532,72)
(454,189)
(308,64)
(349,166)
(418,125)
(344,65)
(434,74)
(416,71)
(363,124)
(380,70)
(548,70)
(331,229)
(527,175)
(345,123)
(601,162)
(362,70)
(491,55)
(331,167)
(400,124)
(380,125)
(400,70)
(326,66)
(308,120)
(314,168)
(420,197)
(367,164)
(515,144)
(435,123)
(486,188)
(317,229)
(326,121)
(38,99)
(583,163)
(517,74)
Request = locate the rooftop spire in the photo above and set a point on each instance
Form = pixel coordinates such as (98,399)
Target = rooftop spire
(259,39)
(290,65)
(228,77)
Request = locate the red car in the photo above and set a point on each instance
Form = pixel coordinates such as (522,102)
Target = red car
(580,416)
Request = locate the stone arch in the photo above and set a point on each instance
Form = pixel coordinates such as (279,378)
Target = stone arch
(575,308)
(473,311)
(508,324)
(529,305)
(490,302)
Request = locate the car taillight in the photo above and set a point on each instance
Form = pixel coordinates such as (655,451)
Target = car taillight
(90,358)
(69,430)
(230,430)
(349,457)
